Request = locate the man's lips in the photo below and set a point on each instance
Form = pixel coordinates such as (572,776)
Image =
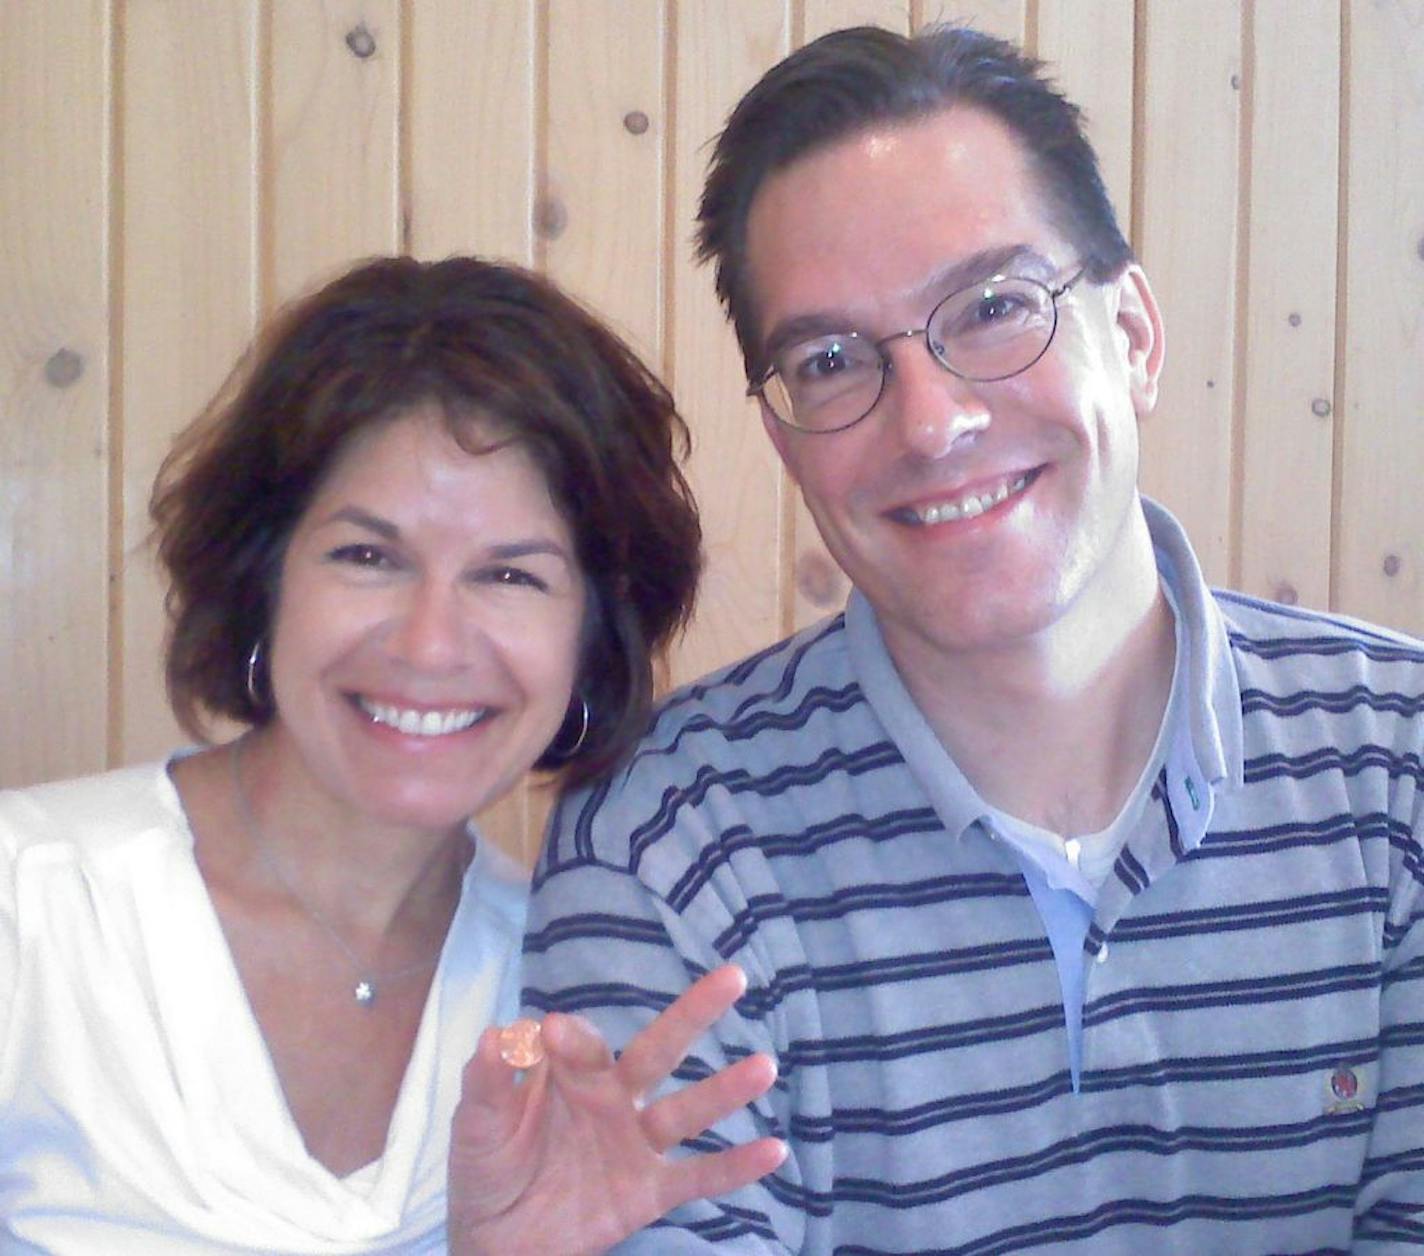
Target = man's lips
(968,503)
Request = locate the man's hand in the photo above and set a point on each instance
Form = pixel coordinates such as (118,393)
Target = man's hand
(569,1159)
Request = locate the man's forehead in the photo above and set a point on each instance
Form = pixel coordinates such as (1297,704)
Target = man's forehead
(899,210)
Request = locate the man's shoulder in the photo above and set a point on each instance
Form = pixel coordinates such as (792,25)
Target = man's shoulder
(763,682)
(734,733)
(1291,637)
(1352,681)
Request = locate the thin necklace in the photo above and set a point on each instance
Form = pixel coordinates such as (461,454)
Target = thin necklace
(367,982)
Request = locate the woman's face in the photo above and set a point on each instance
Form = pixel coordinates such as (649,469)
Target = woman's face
(427,634)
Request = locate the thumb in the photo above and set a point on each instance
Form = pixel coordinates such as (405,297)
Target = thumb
(491,1102)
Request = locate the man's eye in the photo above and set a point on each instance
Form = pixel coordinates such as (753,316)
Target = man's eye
(997,307)
(823,360)
(993,311)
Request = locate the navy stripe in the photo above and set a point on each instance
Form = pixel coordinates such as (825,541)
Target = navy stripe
(1332,759)
(866,897)
(932,1038)
(735,781)
(1334,702)
(1241,993)
(1318,1058)
(813,702)
(595,925)
(811,841)
(1137,1212)
(1110,1140)
(1366,900)
(1131,873)
(732,678)
(1270,839)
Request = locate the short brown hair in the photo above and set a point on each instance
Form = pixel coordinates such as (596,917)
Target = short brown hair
(477,339)
(849,80)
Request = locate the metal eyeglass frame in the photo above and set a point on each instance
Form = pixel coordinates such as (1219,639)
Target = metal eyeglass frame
(887,364)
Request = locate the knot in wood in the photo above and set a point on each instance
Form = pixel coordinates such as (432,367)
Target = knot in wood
(818,579)
(635,122)
(63,368)
(361,42)
(1320,408)
(550,217)
(1391,565)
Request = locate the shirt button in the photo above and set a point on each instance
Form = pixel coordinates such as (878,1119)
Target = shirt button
(1102,955)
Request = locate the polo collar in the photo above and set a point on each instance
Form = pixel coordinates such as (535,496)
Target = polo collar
(1205,754)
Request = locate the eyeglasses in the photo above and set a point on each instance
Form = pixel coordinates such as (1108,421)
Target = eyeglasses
(991,330)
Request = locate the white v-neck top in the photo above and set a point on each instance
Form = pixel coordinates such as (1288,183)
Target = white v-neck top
(139,1108)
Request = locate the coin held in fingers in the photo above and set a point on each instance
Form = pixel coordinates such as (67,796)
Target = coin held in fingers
(520,1044)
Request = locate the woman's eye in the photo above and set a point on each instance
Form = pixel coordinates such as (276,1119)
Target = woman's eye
(360,555)
(515,577)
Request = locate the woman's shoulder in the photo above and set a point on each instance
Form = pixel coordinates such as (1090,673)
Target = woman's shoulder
(90,811)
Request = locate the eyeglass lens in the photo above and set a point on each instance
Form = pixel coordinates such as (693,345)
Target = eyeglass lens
(986,332)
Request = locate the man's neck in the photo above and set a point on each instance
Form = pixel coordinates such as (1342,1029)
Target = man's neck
(1057,728)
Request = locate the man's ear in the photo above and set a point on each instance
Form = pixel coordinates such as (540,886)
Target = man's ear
(1140,321)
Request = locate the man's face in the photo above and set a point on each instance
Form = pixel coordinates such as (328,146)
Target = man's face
(869,235)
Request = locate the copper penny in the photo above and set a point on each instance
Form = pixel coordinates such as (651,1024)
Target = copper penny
(520,1045)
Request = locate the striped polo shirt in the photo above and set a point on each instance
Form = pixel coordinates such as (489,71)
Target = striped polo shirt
(1252,974)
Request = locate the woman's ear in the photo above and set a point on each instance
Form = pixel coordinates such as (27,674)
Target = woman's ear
(1141,323)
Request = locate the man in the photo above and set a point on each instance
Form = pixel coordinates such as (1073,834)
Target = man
(1081,907)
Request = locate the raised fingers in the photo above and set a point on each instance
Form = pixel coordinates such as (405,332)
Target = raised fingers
(687,1112)
(658,1049)
(707,1176)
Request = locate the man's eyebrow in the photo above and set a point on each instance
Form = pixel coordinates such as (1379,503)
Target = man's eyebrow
(1022,260)
(1019,259)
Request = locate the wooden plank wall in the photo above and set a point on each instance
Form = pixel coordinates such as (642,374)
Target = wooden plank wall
(175,168)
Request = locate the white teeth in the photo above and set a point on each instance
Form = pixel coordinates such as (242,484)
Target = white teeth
(421,723)
(971,505)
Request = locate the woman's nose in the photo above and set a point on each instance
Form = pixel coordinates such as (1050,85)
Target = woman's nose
(431,631)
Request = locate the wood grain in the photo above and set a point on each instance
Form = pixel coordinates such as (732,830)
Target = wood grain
(54,378)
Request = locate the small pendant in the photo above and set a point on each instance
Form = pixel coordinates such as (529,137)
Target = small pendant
(365,993)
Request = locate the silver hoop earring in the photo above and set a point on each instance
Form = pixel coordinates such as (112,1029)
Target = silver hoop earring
(254,661)
(568,752)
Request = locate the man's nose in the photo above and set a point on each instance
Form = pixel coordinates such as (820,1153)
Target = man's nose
(934,411)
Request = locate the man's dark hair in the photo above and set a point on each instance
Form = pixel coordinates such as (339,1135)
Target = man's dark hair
(853,79)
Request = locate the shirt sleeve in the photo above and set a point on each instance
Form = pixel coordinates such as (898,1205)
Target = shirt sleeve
(1389,1211)
(605,943)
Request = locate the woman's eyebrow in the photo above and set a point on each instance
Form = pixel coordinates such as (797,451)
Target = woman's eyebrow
(364,519)
(523,549)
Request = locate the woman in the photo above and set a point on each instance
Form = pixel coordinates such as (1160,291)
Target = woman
(431,534)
